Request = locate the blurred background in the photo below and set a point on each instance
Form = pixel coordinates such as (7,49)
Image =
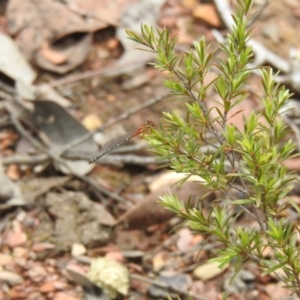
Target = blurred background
(71,82)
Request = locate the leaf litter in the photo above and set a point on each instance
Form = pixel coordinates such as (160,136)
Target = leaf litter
(52,224)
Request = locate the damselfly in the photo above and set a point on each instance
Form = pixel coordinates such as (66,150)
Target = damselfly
(140,131)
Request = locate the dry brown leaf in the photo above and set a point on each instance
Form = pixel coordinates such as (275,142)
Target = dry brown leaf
(52,56)
(105,12)
(190,3)
(70,55)
(76,220)
(57,35)
(10,194)
(12,62)
(208,290)
(149,212)
(46,20)
(292,164)
(278,290)
(64,296)
(208,14)
(32,188)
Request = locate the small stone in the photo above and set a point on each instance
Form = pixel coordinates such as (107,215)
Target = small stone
(20,252)
(41,247)
(113,43)
(64,296)
(52,286)
(16,237)
(78,249)
(208,270)
(37,273)
(10,278)
(48,287)
(5,259)
(91,121)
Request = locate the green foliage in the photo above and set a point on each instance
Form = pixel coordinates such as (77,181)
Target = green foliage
(248,161)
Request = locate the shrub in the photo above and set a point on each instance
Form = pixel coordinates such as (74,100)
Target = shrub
(248,161)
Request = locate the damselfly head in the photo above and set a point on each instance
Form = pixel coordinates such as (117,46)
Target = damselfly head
(146,127)
(150,123)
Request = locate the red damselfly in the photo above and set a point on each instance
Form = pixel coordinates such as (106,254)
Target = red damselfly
(140,131)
